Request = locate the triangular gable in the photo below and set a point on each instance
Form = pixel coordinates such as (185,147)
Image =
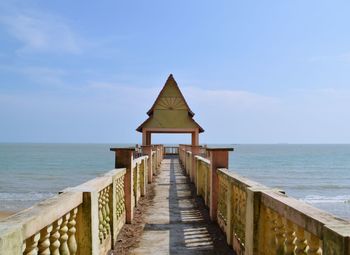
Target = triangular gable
(170,110)
(170,97)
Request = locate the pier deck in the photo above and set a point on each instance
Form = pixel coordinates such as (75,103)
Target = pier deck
(176,223)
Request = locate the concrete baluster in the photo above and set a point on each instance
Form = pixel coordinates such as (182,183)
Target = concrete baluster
(279,230)
(72,242)
(44,242)
(313,243)
(32,245)
(100,219)
(107,220)
(271,244)
(300,242)
(55,237)
(289,237)
(64,235)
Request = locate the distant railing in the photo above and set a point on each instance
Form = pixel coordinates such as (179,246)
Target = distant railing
(171,150)
(260,220)
(85,219)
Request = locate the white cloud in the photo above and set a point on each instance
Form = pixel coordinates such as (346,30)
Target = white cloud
(41,32)
(239,99)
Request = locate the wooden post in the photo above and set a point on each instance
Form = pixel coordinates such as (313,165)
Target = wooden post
(124,159)
(147,150)
(218,159)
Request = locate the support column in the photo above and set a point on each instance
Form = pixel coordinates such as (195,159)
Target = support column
(147,150)
(144,137)
(148,138)
(218,159)
(124,159)
(195,138)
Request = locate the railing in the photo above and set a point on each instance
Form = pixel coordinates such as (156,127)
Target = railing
(171,150)
(81,220)
(260,220)
(203,178)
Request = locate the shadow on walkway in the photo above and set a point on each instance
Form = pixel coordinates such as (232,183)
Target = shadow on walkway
(177,222)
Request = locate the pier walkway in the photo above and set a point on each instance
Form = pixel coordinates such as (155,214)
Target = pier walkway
(177,223)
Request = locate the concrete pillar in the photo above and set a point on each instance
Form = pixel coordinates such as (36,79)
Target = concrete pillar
(147,150)
(195,137)
(336,239)
(144,137)
(123,159)
(218,159)
(148,138)
(87,218)
(11,239)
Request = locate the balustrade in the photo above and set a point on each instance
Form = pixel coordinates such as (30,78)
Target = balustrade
(56,238)
(61,225)
(272,222)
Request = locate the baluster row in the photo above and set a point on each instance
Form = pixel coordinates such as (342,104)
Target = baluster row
(239,213)
(57,238)
(285,237)
(104,214)
(120,199)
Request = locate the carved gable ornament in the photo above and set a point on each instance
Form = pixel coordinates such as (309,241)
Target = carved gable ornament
(170,111)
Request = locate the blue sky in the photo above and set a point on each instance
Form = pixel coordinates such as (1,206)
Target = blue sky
(252,71)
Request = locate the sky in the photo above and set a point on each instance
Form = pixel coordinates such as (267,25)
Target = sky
(251,71)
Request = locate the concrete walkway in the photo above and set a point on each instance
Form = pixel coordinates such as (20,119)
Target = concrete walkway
(176,222)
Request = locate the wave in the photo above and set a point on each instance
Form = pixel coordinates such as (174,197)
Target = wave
(316,199)
(316,186)
(28,196)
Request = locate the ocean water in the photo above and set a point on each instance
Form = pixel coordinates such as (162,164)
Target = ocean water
(32,172)
(316,174)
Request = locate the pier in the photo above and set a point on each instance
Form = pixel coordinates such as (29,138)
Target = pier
(199,207)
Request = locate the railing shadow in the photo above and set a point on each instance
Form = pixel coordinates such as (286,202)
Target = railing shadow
(190,230)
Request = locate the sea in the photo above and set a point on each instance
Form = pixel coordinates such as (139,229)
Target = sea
(316,174)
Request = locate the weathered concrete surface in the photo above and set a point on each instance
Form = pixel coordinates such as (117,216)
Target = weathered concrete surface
(176,223)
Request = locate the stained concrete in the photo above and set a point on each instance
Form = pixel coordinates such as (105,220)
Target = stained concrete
(176,222)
